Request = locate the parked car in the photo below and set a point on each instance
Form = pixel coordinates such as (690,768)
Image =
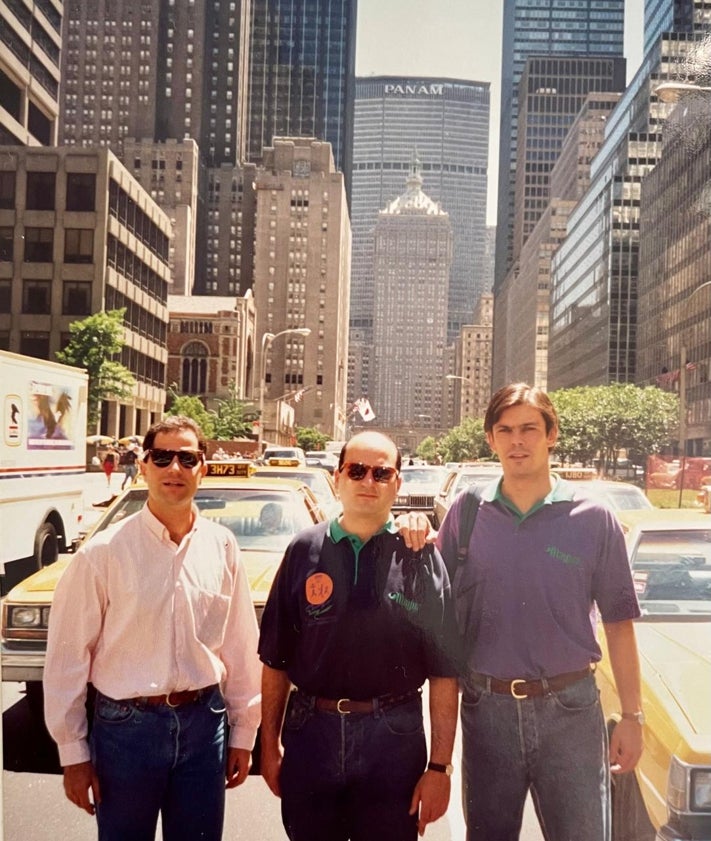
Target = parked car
(461,477)
(620,496)
(237,503)
(318,480)
(420,484)
(321,458)
(668,796)
(284,453)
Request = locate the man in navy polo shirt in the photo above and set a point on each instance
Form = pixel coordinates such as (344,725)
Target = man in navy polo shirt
(539,561)
(356,622)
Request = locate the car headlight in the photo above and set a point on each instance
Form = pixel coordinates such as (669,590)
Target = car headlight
(27,616)
(401,499)
(689,788)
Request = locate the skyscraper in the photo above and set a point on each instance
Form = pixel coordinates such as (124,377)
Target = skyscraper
(446,121)
(412,261)
(536,28)
(301,74)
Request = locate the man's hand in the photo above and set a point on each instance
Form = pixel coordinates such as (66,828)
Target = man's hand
(239,762)
(625,746)
(271,768)
(415,529)
(78,780)
(431,796)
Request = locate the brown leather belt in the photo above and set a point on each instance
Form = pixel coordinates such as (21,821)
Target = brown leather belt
(172,699)
(347,705)
(522,688)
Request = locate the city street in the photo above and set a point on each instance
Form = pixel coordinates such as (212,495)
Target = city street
(33,802)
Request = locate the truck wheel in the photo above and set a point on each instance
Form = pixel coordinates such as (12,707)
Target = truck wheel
(46,545)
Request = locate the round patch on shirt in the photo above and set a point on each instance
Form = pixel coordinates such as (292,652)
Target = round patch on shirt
(319,588)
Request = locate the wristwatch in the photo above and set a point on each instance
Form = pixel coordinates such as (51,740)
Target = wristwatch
(442,769)
(638,717)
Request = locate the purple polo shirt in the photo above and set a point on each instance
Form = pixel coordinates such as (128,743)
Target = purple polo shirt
(526,595)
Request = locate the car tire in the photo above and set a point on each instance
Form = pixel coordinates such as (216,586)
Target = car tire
(46,545)
(630,821)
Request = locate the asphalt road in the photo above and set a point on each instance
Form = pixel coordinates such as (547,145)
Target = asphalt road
(33,802)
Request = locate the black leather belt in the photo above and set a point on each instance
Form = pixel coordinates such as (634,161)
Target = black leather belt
(523,688)
(344,706)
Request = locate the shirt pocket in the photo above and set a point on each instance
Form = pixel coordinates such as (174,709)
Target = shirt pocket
(211,610)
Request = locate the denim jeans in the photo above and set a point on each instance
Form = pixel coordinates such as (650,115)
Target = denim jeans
(351,776)
(555,746)
(159,759)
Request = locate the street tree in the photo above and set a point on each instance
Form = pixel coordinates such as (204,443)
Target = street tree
(465,442)
(428,449)
(94,343)
(190,406)
(232,418)
(310,438)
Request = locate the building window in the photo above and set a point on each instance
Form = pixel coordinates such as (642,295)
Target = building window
(6,295)
(194,368)
(78,245)
(76,298)
(81,191)
(39,245)
(40,190)
(6,244)
(34,343)
(7,190)
(36,297)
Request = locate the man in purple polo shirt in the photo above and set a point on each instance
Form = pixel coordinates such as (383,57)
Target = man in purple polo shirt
(539,561)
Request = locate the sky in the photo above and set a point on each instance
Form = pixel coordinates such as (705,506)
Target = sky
(456,38)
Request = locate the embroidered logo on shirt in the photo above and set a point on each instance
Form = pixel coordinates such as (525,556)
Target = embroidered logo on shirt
(319,588)
(408,604)
(554,552)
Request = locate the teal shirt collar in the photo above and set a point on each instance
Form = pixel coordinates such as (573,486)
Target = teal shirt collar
(338,533)
(561,491)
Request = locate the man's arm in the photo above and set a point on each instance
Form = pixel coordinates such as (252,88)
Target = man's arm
(626,739)
(431,795)
(275,693)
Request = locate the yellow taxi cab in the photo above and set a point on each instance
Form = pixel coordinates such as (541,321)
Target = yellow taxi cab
(318,480)
(264,514)
(668,796)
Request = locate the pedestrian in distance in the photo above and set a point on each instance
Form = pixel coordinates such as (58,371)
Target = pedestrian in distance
(129,461)
(527,580)
(109,465)
(156,613)
(356,622)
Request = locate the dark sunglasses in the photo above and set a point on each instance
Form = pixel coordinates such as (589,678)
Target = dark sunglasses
(357,471)
(164,458)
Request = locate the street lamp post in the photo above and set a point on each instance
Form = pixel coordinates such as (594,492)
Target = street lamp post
(682,395)
(267,339)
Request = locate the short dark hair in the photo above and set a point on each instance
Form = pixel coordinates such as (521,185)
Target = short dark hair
(174,423)
(520,394)
(398,456)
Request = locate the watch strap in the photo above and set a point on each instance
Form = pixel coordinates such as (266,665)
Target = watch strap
(442,769)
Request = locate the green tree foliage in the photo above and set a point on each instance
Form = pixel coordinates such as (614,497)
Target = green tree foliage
(599,421)
(466,442)
(428,450)
(192,407)
(310,438)
(231,419)
(94,342)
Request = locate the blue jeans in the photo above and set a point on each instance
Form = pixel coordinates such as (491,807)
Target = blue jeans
(555,746)
(351,776)
(159,759)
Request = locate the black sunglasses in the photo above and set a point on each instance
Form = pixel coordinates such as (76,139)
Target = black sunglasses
(164,458)
(357,471)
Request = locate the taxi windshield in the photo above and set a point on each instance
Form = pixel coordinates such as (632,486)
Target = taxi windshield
(672,571)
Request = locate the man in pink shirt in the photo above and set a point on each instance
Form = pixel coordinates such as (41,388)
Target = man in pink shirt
(156,613)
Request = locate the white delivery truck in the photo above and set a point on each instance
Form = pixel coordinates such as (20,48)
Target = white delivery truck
(42,462)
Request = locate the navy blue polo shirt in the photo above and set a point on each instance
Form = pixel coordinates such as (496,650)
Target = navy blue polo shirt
(353,619)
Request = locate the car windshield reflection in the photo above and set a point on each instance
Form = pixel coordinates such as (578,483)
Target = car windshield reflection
(672,572)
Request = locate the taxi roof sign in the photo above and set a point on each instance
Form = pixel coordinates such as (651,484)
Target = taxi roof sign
(284,462)
(238,469)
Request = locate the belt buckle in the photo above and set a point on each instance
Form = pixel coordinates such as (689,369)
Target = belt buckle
(338,706)
(513,689)
(167,701)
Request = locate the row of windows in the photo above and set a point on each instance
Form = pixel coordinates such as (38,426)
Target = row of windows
(127,211)
(41,190)
(37,297)
(39,245)
(132,267)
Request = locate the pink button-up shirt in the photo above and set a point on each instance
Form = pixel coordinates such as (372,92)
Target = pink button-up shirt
(136,615)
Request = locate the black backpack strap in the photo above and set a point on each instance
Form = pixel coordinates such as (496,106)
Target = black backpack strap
(467,517)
